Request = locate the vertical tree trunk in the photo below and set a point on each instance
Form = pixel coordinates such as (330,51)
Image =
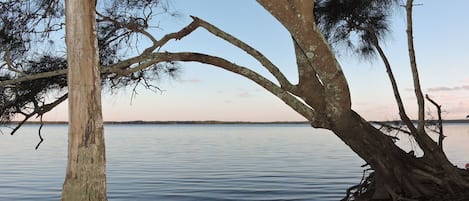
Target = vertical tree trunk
(85,178)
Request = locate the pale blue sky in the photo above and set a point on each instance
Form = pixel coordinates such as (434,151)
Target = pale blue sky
(206,93)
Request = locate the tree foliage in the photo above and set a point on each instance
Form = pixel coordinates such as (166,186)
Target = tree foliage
(28,97)
(321,95)
(355,25)
(32,31)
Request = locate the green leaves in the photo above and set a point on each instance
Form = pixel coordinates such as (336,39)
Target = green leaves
(354,24)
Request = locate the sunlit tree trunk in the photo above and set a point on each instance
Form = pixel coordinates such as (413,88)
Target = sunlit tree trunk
(85,177)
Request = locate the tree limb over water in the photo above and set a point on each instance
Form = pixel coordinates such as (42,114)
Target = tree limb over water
(321,95)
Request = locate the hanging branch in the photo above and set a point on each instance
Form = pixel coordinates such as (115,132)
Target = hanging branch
(441,136)
(39,133)
(40,110)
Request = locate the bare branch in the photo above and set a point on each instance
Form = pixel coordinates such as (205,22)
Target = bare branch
(131,25)
(413,65)
(39,133)
(17,127)
(274,70)
(40,110)
(397,96)
(9,63)
(441,136)
(176,35)
(118,67)
(391,127)
(33,77)
(285,96)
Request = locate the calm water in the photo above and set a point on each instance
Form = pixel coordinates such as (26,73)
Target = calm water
(199,162)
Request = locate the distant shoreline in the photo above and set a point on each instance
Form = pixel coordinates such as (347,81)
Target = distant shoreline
(227,122)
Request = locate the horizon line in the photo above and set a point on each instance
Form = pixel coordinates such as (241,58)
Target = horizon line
(224,122)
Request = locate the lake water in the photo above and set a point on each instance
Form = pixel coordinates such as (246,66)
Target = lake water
(199,162)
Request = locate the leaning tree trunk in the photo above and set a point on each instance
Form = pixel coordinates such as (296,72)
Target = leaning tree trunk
(398,174)
(324,89)
(85,177)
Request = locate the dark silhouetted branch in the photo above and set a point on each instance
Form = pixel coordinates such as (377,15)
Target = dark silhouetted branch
(441,136)
(40,110)
(39,133)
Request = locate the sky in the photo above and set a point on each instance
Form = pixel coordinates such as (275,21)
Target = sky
(201,92)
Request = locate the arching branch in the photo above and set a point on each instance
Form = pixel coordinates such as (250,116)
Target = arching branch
(149,58)
(274,70)
(306,111)
(115,68)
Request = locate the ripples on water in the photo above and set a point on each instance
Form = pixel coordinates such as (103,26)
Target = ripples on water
(193,162)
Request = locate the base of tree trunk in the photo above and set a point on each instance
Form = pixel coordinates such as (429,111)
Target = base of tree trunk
(89,182)
(398,175)
(366,191)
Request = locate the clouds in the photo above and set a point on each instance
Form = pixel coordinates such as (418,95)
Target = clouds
(191,81)
(245,95)
(453,97)
(454,100)
(457,88)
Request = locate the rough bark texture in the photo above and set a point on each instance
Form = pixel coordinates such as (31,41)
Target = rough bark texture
(321,96)
(413,66)
(397,174)
(85,177)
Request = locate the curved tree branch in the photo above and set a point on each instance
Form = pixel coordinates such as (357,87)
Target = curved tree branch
(148,58)
(274,70)
(306,111)
(116,68)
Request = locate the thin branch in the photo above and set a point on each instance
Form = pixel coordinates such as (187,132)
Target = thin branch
(441,136)
(39,111)
(274,70)
(116,68)
(388,126)
(129,25)
(392,79)
(9,63)
(33,77)
(39,133)
(285,96)
(176,36)
(222,63)
(17,127)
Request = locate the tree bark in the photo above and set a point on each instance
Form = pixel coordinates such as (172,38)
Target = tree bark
(413,66)
(397,174)
(321,96)
(85,177)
